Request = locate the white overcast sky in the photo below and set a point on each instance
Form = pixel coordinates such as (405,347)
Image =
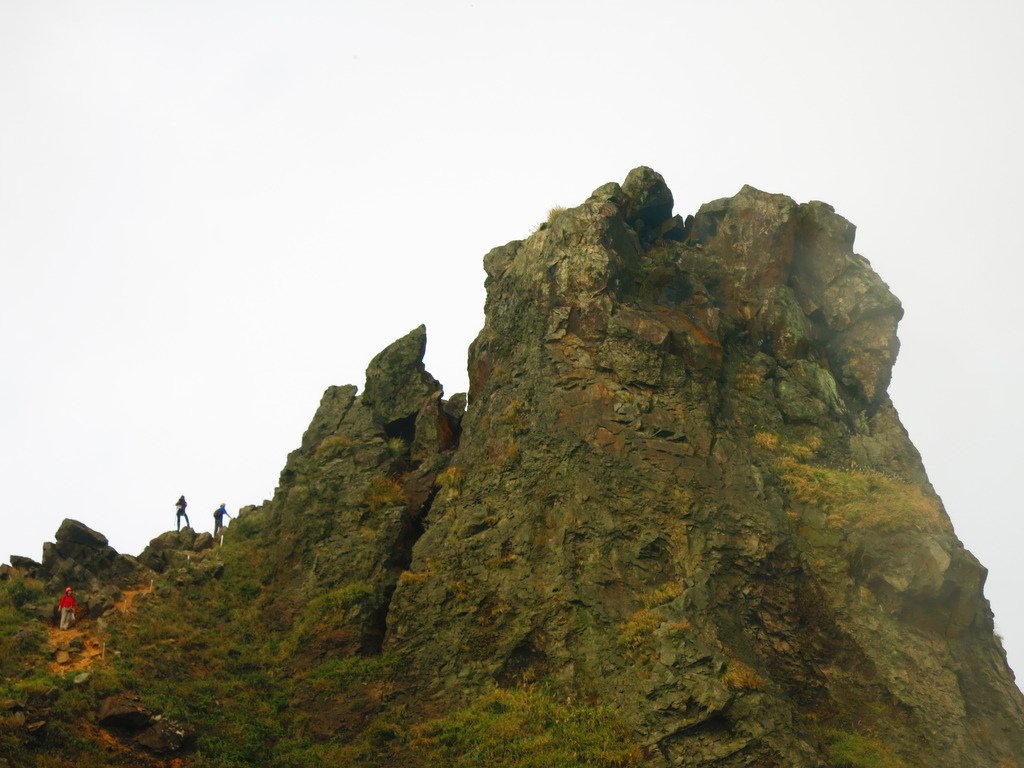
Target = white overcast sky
(210,211)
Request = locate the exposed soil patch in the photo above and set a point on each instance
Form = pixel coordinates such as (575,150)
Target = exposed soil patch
(78,648)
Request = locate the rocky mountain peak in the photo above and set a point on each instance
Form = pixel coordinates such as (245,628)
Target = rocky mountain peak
(780,276)
(677,497)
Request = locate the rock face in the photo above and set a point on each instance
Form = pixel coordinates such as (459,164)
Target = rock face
(174,548)
(679,487)
(82,556)
(127,718)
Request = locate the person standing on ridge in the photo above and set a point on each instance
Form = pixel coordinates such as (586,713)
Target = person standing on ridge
(67,607)
(181,513)
(218,519)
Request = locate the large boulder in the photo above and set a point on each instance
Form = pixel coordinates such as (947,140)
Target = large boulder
(73,533)
(397,384)
(26,565)
(125,716)
(123,711)
(82,558)
(647,199)
(173,548)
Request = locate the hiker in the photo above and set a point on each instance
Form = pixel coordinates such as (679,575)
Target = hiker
(67,607)
(181,513)
(218,519)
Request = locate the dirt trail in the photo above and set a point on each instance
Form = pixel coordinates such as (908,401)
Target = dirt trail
(77,649)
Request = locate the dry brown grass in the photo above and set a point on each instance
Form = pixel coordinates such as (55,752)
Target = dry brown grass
(636,632)
(553,213)
(515,416)
(332,447)
(382,491)
(413,577)
(862,499)
(742,677)
(450,479)
(666,593)
(397,447)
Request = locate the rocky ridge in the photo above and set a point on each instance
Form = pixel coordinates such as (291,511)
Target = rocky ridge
(676,489)
(680,486)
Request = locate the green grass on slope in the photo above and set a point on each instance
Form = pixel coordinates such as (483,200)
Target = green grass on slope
(526,729)
(20,653)
(26,680)
(851,750)
(200,654)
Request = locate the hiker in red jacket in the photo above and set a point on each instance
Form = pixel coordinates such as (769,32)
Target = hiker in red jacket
(67,606)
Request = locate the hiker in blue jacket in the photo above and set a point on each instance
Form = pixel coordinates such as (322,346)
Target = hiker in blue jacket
(218,519)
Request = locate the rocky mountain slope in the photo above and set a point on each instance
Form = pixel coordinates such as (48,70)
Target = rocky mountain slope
(675,522)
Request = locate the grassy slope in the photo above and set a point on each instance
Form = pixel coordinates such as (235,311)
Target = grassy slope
(199,651)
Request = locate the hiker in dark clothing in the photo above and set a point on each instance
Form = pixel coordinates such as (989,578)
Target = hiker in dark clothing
(181,513)
(218,519)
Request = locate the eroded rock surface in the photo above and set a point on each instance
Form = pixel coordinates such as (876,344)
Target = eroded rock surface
(679,487)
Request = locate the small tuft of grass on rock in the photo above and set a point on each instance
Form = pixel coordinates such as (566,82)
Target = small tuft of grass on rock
(742,677)
(382,491)
(332,447)
(666,593)
(413,577)
(553,213)
(451,480)
(636,632)
(397,447)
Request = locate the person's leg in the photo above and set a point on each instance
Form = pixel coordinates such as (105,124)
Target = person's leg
(65,617)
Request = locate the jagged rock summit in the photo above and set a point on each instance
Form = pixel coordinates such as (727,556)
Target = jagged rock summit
(675,522)
(680,487)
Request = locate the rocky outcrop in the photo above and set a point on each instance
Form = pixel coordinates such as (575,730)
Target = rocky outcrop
(82,557)
(352,499)
(397,384)
(175,548)
(127,718)
(26,565)
(680,487)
